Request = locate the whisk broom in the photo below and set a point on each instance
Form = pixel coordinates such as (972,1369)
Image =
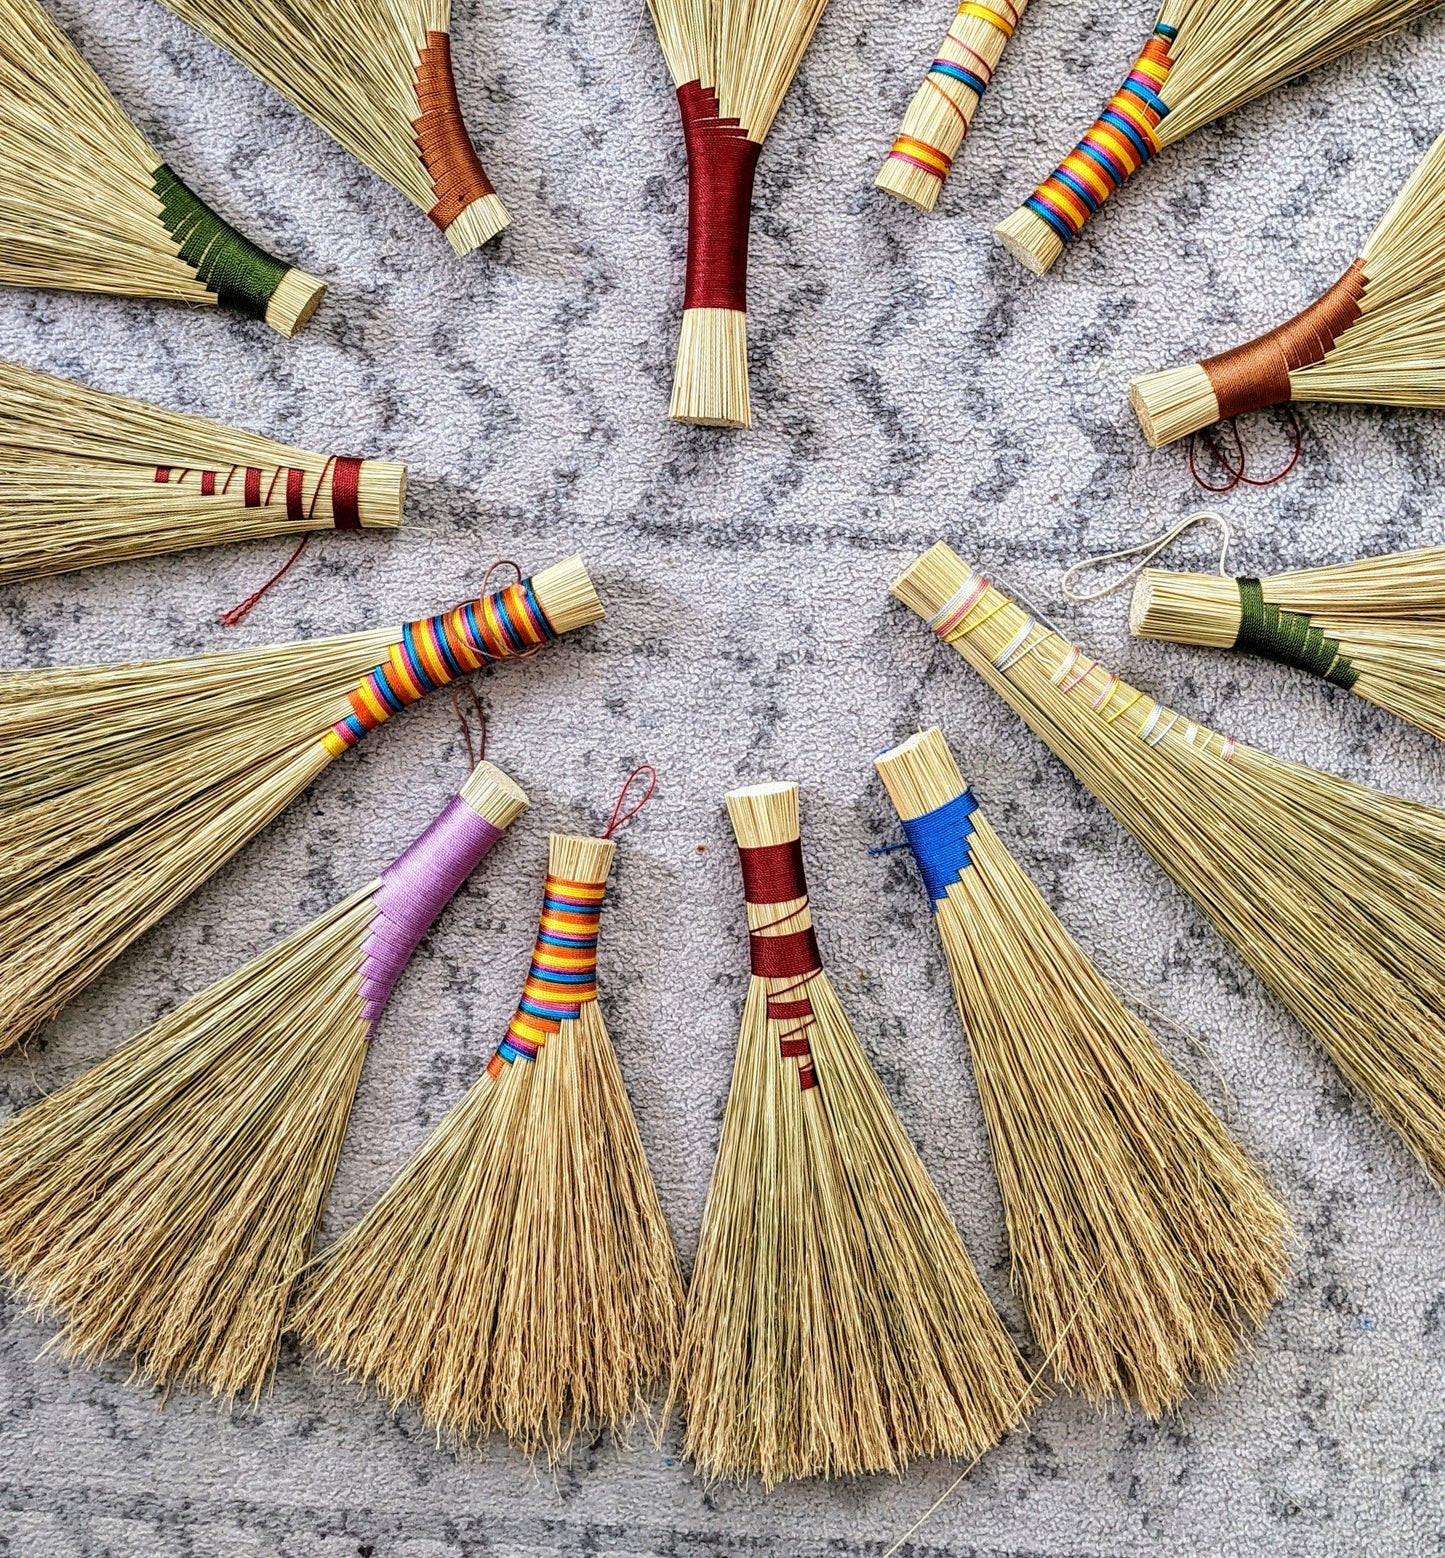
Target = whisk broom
(942,109)
(1375,627)
(1333,892)
(1203,59)
(1144,1239)
(1377,335)
(86,205)
(835,1324)
(376,75)
(519,1274)
(122,788)
(733,67)
(163,1204)
(87,477)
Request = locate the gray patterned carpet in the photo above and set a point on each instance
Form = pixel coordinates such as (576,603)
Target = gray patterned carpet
(909,381)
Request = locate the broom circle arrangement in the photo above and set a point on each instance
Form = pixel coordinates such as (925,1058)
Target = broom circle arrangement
(163,1204)
(1203,59)
(1333,892)
(376,75)
(88,477)
(124,787)
(87,205)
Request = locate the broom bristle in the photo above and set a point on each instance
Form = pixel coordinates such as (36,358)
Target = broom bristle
(163,1204)
(86,205)
(376,75)
(1375,627)
(1332,891)
(88,477)
(1377,336)
(834,1324)
(122,788)
(1204,58)
(1144,1239)
(519,1274)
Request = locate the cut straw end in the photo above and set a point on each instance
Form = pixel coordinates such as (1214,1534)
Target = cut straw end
(710,383)
(929,582)
(1030,239)
(294,301)
(763,814)
(380,494)
(477,224)
(1173,403)
(1201,609)
(566,594)
(920,774)
(580,858)
(493,795)
(906,181)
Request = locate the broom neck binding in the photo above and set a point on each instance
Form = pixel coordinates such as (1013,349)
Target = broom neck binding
(457,176)
(721,163)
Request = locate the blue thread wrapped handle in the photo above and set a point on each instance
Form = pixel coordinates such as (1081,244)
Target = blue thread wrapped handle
(940,842)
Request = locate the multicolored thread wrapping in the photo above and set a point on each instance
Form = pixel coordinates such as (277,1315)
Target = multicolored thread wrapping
(941,841)
(344,470)
(721,163)
(773,875)
(433,651)
(1119,142)
(563,975)
(457,176)
(242,276)
(1289,637)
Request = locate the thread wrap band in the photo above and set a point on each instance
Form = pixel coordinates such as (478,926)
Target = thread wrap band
(721,162)
(242,276)
(940,841)
(1289,637)
(457,176)
(563,975)
(773,874)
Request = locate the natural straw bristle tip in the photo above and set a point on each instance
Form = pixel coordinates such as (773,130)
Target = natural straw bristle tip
(913,186)
(295,300)
(477,224)
(494,795)
(1173,403)
(710,381)
(567,596)
(381,494)
(1031,241)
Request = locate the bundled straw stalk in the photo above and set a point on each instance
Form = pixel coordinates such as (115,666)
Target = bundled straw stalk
(164,1203)
(1203,59)
(87,205)
(1377,335)
(835,1324)
(1333,892)
(733,67)
(376,75)
(122,788)
(87,478)
(1144,1240)
(942,109)
(519,1274)
(1375,627)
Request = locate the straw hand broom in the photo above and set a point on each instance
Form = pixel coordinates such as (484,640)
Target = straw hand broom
(87,478)
(1333,892)
(733,65)
(86,205)
(163,1204)
(376,75)
(519,1274)
(122,788)
(835,1324)
(1375,627)
(1144,1240)
(1203,59)
(1377,335)
(942,110)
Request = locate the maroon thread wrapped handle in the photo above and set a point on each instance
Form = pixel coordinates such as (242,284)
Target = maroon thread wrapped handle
(721,161)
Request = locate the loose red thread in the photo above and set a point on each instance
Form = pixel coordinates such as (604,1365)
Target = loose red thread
(238,613)
(1235,475)
(721,162)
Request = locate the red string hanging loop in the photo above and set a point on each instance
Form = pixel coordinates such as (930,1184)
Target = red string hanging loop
(618,816)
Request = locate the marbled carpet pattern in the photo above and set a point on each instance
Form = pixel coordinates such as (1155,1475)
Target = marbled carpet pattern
(909,381)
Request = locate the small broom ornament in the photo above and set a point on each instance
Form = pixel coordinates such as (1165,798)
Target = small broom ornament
(1333,892)
(88,478)
(942,109)
(376,75)
(164,1203)
(835,1324)
(1144,1240)
(1377,335)
(519,1274)
(86,205)
(122,788)
(1203,59)
(732,67)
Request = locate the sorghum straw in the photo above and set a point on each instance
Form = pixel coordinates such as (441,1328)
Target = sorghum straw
(376,75)
(87,205)
(1375,627)
(942,110)
(87,478)
(835,1324)
(1144,1240)
(1204,58)
(163,1204)
(519,1274)
(122,788)
(733,65)
(1333,892)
